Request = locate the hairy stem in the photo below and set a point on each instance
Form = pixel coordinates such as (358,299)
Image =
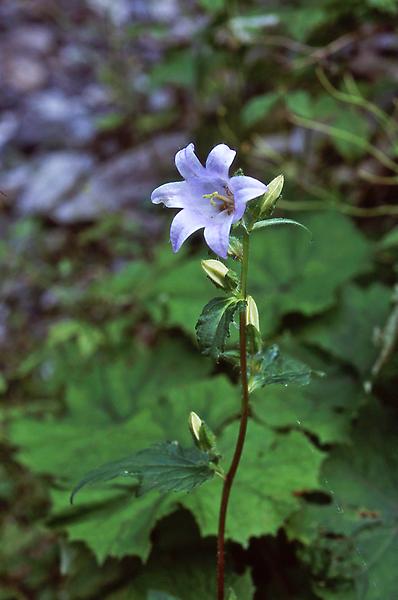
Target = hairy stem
(229,478)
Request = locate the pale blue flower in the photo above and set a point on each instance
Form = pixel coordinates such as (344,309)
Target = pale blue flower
(208,196)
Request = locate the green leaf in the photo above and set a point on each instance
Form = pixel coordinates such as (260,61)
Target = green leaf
(272,222)
(300,103)
(356,536)
(166,467)
(287,274)
(350,121)
(213,5)
(258,107)
(115,409)
(185,572)
(275,468)
(272,367)
(347,332)
(212,328)
(325,408)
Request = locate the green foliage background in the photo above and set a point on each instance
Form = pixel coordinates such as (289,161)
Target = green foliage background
(115,367)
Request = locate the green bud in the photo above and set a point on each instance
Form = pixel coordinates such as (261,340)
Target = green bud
(268,201)
(220,275)
(252,317)
(216,271)
(194,423)
(202,435)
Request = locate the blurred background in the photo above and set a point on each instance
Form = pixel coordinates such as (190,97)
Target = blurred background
(97,320)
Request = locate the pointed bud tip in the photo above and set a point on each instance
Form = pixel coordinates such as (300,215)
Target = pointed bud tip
(215,270)
(195,423)
(274,190)
(252,317)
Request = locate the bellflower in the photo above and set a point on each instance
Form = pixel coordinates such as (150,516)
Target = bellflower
(208,196)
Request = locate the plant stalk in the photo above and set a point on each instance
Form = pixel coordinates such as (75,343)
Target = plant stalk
(229,478)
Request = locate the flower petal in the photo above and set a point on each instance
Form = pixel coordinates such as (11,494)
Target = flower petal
(172,195)
(217,233)
(184,224)
(219,160)
(246,188)
(189,165)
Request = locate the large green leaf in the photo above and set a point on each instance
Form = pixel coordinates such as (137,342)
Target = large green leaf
(347,332)
(110,415)
(212,328)
(274,471)
(356,536)
(324,408)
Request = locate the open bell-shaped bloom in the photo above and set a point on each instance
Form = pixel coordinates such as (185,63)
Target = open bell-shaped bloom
(208,196)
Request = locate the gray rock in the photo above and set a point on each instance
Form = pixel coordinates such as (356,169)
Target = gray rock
(14,181)
(118,11)
(58,175)
(34,38)
(51,118)
(8,127)
(121,12)
(124,181)
(24,73)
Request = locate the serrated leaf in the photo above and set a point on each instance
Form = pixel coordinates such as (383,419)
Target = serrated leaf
(212,328)
(274,470)
(279,221)
(273,367)
(159,407)
(165,467)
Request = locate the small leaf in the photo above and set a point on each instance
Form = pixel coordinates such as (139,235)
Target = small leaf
(212,328)
(258,108)
(280,221)
(272,367)
(166,467)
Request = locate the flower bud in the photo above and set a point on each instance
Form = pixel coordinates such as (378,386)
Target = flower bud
(268,201)
(195,423)
(252,313)
(220,275)
(202,435)
(215,270)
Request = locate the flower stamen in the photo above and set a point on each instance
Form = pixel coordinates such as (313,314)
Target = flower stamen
(227,201)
